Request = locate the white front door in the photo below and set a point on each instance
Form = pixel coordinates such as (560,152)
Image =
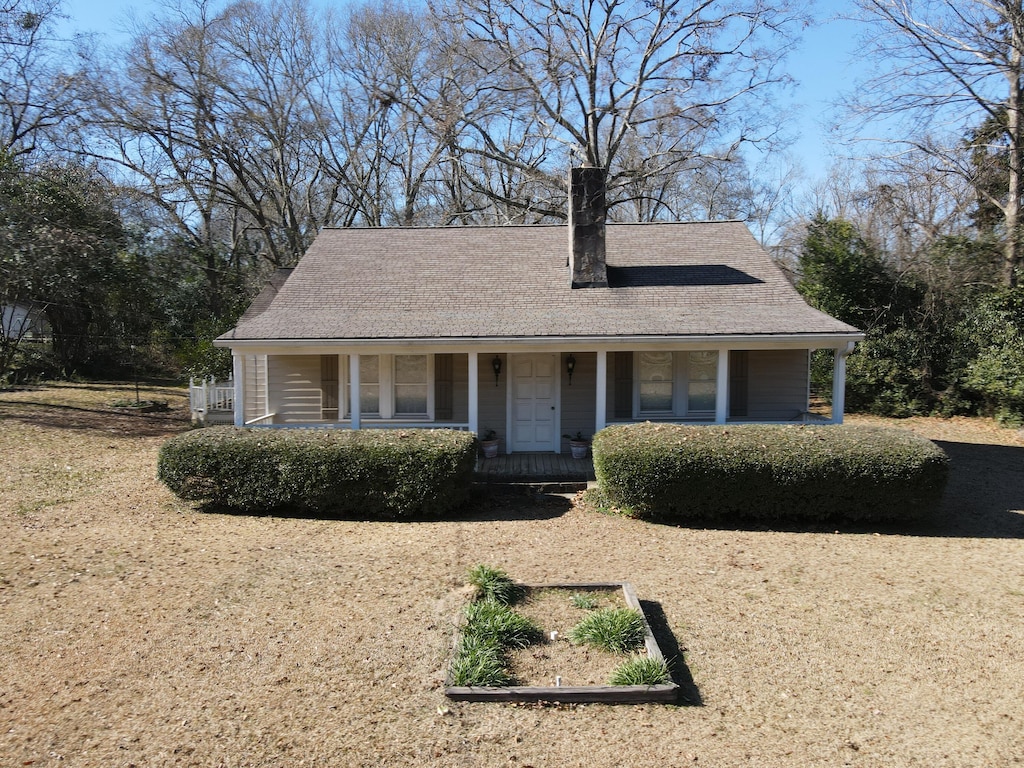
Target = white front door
(534,380)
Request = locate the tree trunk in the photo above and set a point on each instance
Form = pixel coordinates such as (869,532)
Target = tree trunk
(1011,213)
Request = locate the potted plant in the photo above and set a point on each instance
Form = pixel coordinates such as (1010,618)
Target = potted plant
(578,444)
(489,443)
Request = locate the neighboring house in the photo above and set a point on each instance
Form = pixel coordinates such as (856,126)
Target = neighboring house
(533,331)
(22,321)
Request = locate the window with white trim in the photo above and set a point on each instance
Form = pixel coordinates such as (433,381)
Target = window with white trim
(676,384)
(393,387)
(656,378)
(412,387)
(701,382)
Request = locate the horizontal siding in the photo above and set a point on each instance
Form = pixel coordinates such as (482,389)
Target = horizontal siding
(295,386)
(578,398)
(492,398)
(254,387)
(777,384)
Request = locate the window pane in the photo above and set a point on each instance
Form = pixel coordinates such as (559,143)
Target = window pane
(411,399)
(702,375)
(369,399)
(655,390)
(369,387)
(701,396)
(656,366)
(655,396)
(369,369)
(410,369)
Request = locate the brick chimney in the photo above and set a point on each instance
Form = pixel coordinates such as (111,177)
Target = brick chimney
(586,228)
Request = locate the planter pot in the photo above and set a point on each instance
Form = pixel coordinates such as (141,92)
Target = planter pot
(579,450)
(490,448)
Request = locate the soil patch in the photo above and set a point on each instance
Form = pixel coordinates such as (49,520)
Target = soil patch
(559,661)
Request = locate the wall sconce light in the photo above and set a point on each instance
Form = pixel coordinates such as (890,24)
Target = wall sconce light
(496,365)
(570,366)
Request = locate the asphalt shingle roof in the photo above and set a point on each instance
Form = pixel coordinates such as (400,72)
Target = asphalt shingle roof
(686,279)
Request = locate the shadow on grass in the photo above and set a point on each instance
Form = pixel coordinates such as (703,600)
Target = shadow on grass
(984,499)
(484,505)
(689,694)
(122,422)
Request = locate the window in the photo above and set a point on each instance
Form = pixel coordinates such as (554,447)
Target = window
(369,385)
(393,387)
(676,384)
(701,381)
(411,385)
(656,382)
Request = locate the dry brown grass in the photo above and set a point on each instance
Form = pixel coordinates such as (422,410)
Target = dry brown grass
(138,631)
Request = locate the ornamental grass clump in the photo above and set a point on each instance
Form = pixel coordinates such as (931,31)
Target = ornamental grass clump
(495,622)
(673,472)
(494,584)
(479,662)
(491,628)
(618,630)
(641,670)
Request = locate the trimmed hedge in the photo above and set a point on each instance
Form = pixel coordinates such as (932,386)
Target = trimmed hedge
(673,472)
(374,473)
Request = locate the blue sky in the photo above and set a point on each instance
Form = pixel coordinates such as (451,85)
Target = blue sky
(824,65)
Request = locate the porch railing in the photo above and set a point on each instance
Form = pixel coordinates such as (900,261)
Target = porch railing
(208,396)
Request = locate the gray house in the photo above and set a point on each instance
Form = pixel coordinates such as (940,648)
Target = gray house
(532,331)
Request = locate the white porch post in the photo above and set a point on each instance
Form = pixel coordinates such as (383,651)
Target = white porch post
(474,393)
(722,387)
(839,383)
(601,396)
(353,377)
(238,374)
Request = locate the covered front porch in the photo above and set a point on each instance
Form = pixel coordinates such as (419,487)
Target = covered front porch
(532,397)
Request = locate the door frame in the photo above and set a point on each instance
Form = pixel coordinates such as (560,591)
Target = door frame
(556,440)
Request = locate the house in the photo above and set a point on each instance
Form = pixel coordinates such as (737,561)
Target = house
(535,332)
(22,321)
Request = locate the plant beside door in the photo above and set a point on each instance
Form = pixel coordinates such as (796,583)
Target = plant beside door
(578,445)
(489,443)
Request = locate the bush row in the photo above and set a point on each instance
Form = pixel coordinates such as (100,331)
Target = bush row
(673,472)
(373,473)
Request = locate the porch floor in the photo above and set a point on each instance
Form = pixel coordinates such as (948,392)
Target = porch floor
(535,468)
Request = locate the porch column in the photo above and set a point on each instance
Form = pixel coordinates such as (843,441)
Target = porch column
(839,383)
(601,396)
(238,374)
(353,377)
(474,393)
(722,387)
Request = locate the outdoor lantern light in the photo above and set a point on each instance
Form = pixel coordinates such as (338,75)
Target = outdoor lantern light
(570,366)
(496,365)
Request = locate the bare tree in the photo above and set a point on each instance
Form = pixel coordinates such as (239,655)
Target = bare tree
(217,126)
(36,86)
(585,81)
(949,66)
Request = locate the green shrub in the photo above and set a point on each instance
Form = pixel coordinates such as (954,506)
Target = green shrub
(641,670)
(673,472)
(373,473)
(618,630)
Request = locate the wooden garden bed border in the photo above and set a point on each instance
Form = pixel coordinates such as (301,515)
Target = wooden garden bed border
(607,694)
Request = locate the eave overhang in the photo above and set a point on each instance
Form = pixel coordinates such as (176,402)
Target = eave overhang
(543,343)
